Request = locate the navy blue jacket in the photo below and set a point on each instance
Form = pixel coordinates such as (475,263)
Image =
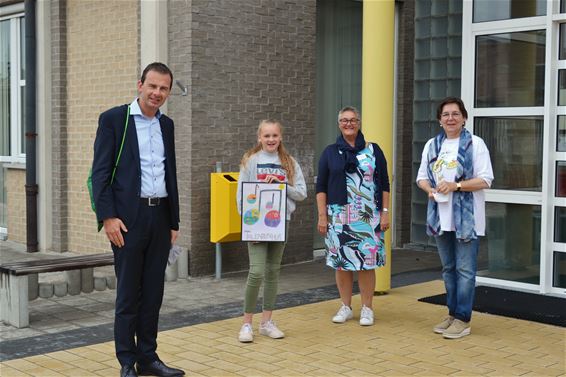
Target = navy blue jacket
(332,161)
(121,200)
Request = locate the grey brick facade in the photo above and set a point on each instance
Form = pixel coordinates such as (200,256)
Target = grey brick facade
(59,205)
(242,63)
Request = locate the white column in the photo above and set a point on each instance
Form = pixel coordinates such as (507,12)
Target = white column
(43,76)
(153,35)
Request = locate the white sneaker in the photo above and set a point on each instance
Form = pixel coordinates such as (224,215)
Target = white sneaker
(246,334)
(344,313)
(366,316)
(269,329)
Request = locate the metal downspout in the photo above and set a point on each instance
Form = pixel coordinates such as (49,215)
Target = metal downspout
(30,126)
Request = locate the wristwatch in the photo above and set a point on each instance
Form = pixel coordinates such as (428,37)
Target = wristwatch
(385,209)
(458,186)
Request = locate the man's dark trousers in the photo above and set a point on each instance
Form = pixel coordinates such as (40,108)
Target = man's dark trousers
(140,272)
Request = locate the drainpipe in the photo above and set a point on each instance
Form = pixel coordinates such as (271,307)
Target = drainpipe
(31,135)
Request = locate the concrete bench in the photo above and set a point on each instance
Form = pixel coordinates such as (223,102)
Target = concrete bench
(16,279)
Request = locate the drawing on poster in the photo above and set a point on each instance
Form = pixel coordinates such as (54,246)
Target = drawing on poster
(263,209)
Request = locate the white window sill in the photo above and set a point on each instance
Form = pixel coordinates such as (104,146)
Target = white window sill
(14,165)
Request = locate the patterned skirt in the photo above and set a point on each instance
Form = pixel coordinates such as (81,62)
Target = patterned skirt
(354,241)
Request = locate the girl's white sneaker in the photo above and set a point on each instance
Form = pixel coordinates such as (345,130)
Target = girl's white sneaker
(246,334)
(269,329)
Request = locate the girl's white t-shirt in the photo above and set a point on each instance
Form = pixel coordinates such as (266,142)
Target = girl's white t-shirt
(446,168)
(263,163)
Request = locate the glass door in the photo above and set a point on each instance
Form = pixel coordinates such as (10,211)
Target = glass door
(556,263)
(338,71)
(508,74)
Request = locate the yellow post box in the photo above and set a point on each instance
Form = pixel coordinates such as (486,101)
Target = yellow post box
(225,221)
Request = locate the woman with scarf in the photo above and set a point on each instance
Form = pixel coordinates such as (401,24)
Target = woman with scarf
(455,169)
(352,196)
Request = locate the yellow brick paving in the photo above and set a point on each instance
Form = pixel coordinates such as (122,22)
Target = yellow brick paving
(401,343)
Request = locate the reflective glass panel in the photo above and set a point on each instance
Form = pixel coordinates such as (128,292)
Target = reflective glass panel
(515,147)
(22,49)
(559,270)
(561,134)
(507,253)
(560,224)
(560,178)
(5,88)
(3,199)
(23,120)
(562,41)
(510,69)
(562,87)
(490,10)
(562,6)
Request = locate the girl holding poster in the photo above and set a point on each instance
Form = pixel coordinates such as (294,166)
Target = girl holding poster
(269,162)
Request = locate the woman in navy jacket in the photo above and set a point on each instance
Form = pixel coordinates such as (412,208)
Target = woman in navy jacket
(352,195)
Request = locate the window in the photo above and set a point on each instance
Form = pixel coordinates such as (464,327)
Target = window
(562,39)
(561,134)
(560,224)
(559,270)
(560,179)
(516,146)
(511,254)
(12,83)
(562,87)
(489,10)
(514,77)
(510,69)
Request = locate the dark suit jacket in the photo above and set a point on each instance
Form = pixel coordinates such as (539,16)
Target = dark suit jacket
(122,198)
(331,162)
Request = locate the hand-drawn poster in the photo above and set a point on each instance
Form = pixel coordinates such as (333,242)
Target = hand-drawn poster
(264,206)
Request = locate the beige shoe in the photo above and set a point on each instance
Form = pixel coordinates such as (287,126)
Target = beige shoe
(439,329)
(457,330)
(269,329)
(246,334)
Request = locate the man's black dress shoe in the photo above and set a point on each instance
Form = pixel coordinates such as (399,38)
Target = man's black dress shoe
(157,368)
(128,371)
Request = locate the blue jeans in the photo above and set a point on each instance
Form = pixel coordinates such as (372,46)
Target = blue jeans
(459,267)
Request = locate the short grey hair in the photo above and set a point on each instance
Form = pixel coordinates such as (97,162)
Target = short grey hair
(348,108)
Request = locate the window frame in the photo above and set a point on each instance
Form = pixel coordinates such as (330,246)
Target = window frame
(546,197)
(17,85)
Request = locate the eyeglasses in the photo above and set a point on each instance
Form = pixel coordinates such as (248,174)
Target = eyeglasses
(454,115)
(353,121)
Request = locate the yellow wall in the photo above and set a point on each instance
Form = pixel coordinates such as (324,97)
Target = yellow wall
(16,199)
(102,71)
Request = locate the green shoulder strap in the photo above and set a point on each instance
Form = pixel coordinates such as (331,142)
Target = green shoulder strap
(121,146)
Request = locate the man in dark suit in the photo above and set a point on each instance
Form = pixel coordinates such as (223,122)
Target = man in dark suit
(139,210)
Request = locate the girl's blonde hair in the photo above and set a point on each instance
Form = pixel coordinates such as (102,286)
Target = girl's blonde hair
(287,161)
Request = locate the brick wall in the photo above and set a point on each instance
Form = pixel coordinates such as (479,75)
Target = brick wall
(16,197)
(59,184)
(101,71)
(244,61)
(180,107)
